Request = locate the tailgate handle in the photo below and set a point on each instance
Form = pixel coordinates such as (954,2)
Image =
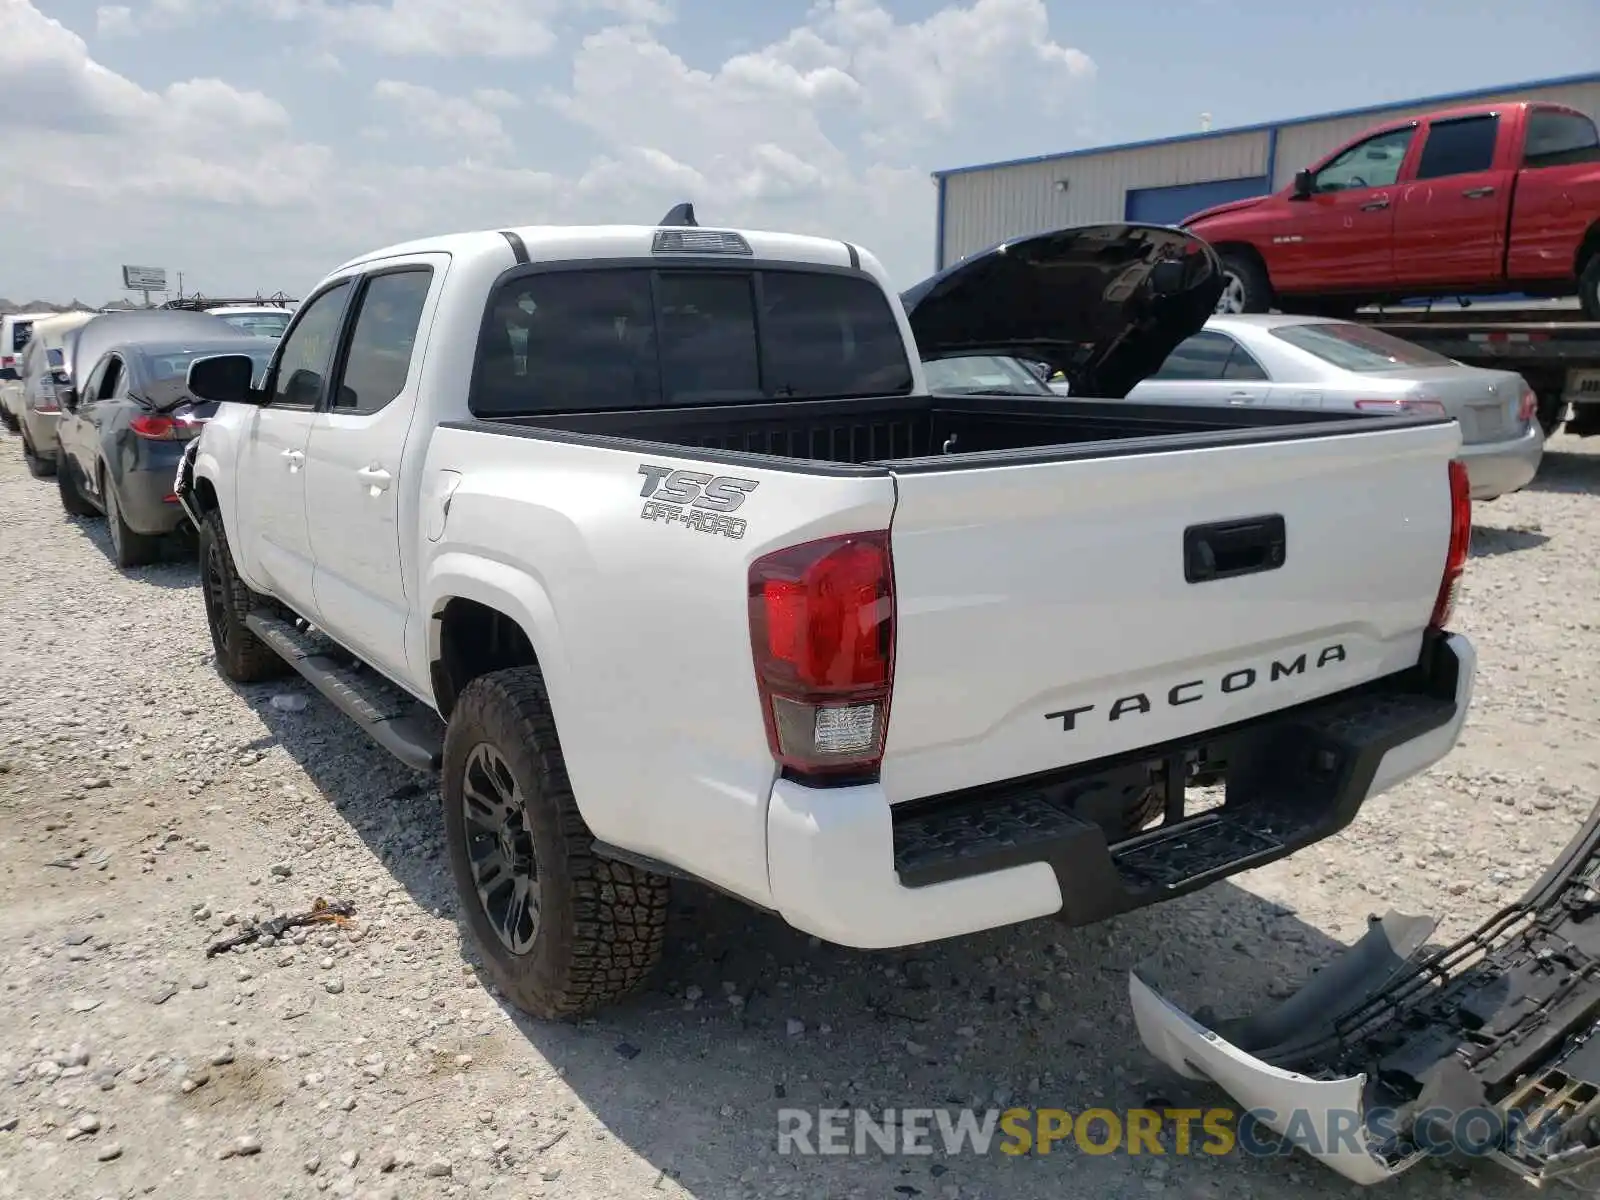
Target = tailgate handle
(1226,549)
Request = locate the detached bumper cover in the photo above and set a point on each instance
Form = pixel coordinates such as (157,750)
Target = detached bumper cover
(182,484)
(1486,1048)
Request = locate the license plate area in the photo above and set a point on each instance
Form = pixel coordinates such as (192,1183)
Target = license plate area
(1583,386)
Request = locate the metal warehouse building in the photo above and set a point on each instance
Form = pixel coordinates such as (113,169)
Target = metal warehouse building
(1166,180)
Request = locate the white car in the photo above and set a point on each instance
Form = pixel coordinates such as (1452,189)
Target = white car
(656,545)
(1317,362)
(15,330)
(266,320)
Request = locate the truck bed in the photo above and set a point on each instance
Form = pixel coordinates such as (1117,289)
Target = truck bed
(911,431)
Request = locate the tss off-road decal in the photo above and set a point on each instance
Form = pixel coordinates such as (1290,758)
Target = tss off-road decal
(694,499)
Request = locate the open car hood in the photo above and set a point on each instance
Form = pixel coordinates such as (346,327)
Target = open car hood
(1103,304)
(1489,1047)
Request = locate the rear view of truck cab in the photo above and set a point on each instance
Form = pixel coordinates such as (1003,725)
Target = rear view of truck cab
(707,585)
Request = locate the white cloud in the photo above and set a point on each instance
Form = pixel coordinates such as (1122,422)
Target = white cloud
(114,20)
(467,124)
(831,128)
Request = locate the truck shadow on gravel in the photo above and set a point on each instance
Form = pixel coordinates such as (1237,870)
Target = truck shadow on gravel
(1564,471)
(748,1016)
(1489,541)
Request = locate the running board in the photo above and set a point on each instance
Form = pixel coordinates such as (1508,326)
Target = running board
(387,714)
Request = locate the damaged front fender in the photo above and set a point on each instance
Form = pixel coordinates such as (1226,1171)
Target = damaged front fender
(1489,1047)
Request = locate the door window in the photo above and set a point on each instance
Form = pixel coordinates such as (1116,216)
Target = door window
(112,382)
(307,350)
(91,386)
(1243,366)
(1459,147)
(379,359)
(1372,163)
(1198,357)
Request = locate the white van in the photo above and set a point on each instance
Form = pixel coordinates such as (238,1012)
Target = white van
(15,329)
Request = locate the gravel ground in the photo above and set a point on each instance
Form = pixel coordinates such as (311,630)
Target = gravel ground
(147,807)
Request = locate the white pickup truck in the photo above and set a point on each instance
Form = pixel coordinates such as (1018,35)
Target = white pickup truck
(652,541)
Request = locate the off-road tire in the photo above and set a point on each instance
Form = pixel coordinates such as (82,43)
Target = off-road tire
(72,497)
(1589,288)
(241,655)
(602,924)
(1247,269)
(37,467)
(129,547)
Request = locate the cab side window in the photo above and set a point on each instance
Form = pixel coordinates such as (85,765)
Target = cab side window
(1372,163)
(306,355)
(378,361)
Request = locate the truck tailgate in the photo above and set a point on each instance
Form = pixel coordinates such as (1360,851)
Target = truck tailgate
(1055,612)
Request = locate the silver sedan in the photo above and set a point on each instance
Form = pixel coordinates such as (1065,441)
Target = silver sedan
(1284,361)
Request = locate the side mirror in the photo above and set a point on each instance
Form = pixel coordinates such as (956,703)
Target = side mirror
(224,379)
(1302,185)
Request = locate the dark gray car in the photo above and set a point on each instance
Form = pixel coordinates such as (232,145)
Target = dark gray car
(124,427)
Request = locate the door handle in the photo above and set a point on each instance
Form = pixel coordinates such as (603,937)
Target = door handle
(1375,205)
(1478,193)
(293,459)
(375,478)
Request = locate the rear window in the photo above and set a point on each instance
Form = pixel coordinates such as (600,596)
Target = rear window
(638,338)
(57,359)
(269,325)
(977,374)
(1357,348)
(20,332)
(1555,138)
(163,367)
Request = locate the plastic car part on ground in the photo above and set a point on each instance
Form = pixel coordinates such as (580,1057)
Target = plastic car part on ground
(1397,1051)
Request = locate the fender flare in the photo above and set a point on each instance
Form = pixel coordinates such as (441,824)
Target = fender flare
(459,575)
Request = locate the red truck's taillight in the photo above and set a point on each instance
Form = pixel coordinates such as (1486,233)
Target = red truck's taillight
(822,631)
(1455,562)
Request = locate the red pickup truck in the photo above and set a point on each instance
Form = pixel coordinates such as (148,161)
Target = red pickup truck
(1469,201)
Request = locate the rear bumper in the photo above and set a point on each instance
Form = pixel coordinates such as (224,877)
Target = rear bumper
(847,866)
(143,488)
(1499,468)
(41,429)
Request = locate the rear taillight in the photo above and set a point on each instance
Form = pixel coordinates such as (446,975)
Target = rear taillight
(822,631)
(159,427)
(1528,405)
(1455,562)
(8,360)
(1420,408)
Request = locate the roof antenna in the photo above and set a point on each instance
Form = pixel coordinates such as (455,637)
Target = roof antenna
(681,214)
